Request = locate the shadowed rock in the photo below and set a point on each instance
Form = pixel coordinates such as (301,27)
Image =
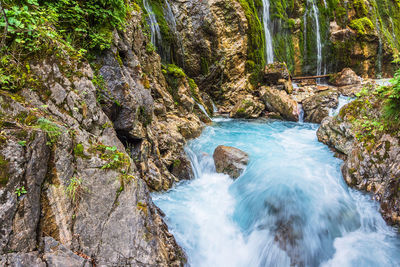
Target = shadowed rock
(230,160)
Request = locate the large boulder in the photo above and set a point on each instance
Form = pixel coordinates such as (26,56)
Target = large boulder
(279,101)
(230,160)
(346,77)
(317,107)
(248,107)
(277,74)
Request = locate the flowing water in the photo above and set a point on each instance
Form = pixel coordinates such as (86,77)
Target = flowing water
(343,100)
(152,21)
(290,207)
(318,38)
(380,51)
(268,37)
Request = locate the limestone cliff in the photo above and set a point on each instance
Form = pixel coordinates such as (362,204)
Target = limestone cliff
(81,146)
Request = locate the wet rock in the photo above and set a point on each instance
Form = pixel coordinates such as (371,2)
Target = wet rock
(230,160)
(346,77)
(248,107)
(274,72)
(277,74)
(371,164)
(338,34)
(279,101)
(214,47)
(317,107)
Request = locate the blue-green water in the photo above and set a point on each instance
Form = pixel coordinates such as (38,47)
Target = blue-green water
(290,207)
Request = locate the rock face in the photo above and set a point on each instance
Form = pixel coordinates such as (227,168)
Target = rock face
(230,160)
(215,40)
(77,162)
(248,107)
(279,101)
(317,107)
(346,77)
(372,159)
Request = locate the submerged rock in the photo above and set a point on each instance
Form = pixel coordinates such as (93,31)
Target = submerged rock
(279,101)
(346,77)
(317,107)
(230,160)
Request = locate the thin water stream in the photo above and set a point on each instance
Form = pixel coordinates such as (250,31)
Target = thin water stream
(290,207)
(267,30)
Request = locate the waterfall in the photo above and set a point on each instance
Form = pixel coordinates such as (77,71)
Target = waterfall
(301,112)
(155,29)
(380,51)
(170,18)
(202,108)
(318,39)
(268,38)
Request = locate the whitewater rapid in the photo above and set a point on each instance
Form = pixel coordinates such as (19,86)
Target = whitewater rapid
(290,206)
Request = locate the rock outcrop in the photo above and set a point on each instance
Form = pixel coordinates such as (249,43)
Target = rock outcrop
(230,160)
(372,155)
(277,74)
(249,107)
(317,107)
(279,101)
(346,77)
(217,39)
(80,151)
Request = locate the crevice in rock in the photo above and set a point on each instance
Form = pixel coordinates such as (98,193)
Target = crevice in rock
(131,144)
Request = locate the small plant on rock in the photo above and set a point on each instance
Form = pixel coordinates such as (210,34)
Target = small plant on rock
(74,188)
(20,191)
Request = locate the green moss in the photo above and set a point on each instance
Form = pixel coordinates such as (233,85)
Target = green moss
(176,163)
(4,176)
(174,70)
(79,150)
(256,41)
(204,66)
(362,26)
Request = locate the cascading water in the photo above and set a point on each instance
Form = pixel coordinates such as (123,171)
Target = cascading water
(380,51)
(318,38)
(154,28)
(290,207)
(170,18)
(268,37)
(313,12)
(343,100)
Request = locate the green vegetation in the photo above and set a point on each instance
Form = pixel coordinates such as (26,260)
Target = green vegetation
(4,176)
(256,41)
(376,111)
(79,150)
(74,188)
(52,129)
(20,191)
(65,29)
(362,26)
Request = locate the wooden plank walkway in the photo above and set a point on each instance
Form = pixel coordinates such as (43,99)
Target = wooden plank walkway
(311,77)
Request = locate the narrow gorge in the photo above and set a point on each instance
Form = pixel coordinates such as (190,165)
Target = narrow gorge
(199,133)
